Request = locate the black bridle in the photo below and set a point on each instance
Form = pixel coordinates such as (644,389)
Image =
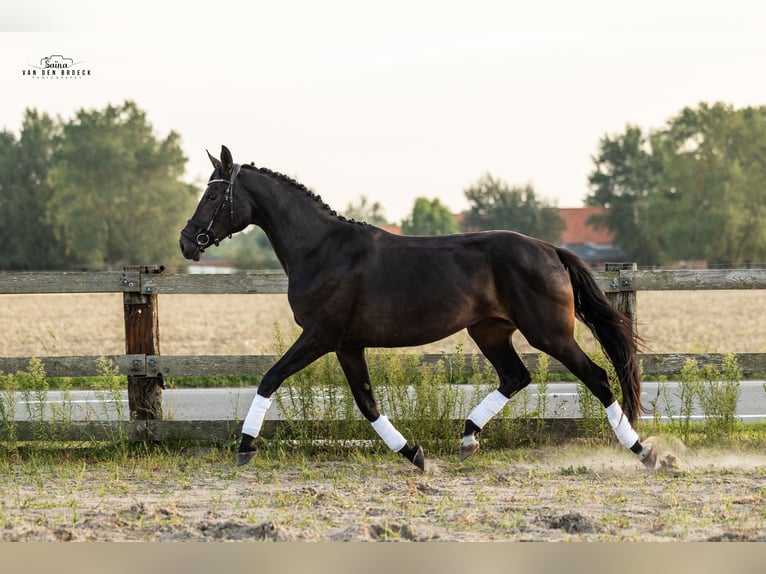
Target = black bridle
(203,234)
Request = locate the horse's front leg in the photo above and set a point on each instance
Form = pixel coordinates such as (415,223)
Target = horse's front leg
(302,353)
(493,337)
(355,368)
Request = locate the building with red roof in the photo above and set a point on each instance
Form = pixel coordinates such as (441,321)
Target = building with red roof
(594,244)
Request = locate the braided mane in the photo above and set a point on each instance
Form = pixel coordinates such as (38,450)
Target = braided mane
(302,188)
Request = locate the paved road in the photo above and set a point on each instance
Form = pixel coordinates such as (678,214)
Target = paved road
(232,403)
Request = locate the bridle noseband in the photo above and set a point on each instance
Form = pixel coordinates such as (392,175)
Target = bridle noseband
(203,235)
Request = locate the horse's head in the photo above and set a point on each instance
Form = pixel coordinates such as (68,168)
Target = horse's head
(215,217)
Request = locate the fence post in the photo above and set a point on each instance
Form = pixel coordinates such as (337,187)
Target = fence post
(622,295)
(142,337)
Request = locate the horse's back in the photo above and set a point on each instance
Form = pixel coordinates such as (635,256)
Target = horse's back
(483,266)
(510,257)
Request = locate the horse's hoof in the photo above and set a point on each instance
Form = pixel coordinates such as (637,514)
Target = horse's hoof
(649,457)
(419,459)
(415,455)
(244,457)
(468,446)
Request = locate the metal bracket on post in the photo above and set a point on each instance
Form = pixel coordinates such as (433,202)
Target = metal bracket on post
(130,281)
(623,295)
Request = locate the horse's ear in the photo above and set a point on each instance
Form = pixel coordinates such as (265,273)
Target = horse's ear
(226,160)
(214,161)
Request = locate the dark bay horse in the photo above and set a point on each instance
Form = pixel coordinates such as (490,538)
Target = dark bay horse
(353,285)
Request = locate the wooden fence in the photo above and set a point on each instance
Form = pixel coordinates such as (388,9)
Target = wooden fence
(145,367)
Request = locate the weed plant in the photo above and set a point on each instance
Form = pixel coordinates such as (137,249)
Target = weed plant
(714,390)
(108,387)
(30,388)
(8,390)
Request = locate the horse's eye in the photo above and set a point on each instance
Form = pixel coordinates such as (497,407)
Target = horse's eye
(211,196)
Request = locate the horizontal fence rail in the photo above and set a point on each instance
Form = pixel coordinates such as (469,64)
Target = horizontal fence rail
(148,283)
(140,284)
(275,282)
(228,430)
(751,365)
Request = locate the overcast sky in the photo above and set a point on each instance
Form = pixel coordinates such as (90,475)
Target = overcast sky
(395,99)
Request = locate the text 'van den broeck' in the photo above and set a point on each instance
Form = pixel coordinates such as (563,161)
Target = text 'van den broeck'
(55,72)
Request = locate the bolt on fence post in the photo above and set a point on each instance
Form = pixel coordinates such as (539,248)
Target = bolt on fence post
(142,337)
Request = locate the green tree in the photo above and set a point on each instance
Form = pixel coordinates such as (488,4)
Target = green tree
(712,202)
(363,210)
(117,194)
(495,205)
(28,240)
(693,189)
(624,180)
(429,217)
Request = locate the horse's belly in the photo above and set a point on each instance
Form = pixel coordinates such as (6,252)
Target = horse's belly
(412,321)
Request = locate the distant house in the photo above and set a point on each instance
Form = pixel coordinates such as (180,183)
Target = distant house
(392,228)
(594,245)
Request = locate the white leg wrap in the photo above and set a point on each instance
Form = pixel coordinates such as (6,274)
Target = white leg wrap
(392,437)
(622,428)
(256,414)
(488,408)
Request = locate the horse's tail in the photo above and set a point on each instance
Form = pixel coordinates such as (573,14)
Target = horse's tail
(611,327)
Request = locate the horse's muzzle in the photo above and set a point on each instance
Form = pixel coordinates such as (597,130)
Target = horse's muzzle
(190,250)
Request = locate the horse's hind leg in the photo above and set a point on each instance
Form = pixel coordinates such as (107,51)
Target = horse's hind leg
(493,336)
(355,368)
(595,378)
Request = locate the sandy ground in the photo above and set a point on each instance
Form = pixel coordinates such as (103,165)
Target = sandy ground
(552,494)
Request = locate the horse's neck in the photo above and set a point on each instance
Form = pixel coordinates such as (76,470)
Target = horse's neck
(294,222)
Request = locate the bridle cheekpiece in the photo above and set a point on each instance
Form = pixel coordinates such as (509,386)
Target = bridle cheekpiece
(203,235)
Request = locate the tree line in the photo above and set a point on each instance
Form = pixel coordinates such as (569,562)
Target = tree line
(99,190)
(694,188)
(102,190)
